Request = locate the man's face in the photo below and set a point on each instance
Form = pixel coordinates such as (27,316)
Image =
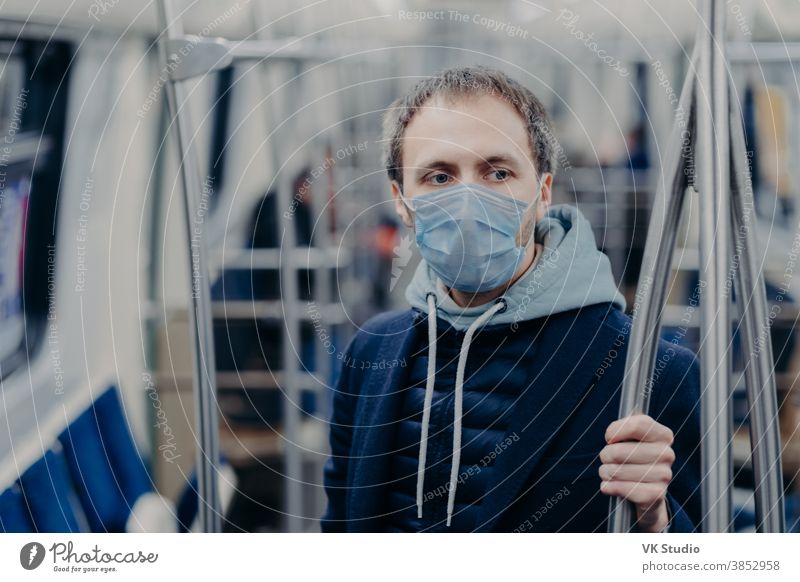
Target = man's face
(478,139)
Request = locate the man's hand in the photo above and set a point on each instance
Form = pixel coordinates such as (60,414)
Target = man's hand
(637,466)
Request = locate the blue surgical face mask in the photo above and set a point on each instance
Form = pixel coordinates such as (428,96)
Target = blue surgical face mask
(467,234)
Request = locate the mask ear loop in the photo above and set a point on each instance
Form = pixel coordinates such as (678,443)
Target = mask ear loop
(533,205)
(410,209)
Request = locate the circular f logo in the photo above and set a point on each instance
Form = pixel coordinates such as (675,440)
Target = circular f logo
(31,555)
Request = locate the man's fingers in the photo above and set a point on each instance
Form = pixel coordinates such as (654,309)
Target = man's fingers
(640,493)
(646,473)
(638,427)
(633,452)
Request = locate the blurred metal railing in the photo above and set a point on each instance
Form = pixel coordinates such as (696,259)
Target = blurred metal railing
(707,157)
(203,357)
(186,57)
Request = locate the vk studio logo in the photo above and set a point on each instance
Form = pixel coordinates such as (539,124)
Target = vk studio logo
(31,555)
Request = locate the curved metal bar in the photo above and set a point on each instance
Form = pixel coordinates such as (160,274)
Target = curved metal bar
(203,357)
(656,264)
(765,440)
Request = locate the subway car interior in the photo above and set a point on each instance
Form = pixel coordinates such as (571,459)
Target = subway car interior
(196,222)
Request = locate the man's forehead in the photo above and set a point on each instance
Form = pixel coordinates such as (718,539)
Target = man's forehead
(479,126)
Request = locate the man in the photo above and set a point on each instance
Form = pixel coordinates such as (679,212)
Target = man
(491,404)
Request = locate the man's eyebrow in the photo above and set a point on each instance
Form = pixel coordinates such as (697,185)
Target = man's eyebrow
(498,159)
(493,160)
(434,165)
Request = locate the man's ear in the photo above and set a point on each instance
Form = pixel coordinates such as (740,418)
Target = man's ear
(547,189)
(400,207)
(546,196)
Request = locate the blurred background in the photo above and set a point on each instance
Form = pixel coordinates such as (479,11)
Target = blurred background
(304,245)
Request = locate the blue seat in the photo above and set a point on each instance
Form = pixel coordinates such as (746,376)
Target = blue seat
(132,472)
(105,465)
(90,480)
(50,497)
(14,517)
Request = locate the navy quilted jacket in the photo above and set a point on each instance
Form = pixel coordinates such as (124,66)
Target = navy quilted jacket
(555,402)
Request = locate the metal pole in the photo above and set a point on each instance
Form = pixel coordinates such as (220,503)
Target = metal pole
(203,379)
(279,149)
(656,265)
(765,440)
(720,168)
(321,213)
(713,163)
(290,301)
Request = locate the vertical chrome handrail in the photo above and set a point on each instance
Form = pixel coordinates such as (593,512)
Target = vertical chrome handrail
(762,396)
(712,175)
(203,357)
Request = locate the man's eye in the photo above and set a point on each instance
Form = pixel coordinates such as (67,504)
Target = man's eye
(499,175)
(439,179)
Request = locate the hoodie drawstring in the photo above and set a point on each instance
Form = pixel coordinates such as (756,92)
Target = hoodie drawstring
(500,305)
(426,409)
